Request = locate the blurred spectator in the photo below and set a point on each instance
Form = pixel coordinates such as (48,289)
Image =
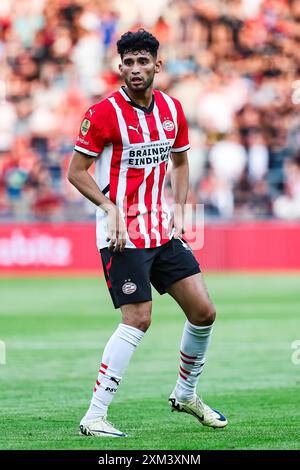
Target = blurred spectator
(287,206)
(228,157)
(8,122)
(216,194)
(258,156)
(234,64)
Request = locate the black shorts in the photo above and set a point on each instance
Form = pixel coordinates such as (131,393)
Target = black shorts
(129,274)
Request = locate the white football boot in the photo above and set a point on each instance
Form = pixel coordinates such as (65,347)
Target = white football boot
(205,415)
(99,427)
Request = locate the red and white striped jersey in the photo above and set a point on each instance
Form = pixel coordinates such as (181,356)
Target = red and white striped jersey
(132,146)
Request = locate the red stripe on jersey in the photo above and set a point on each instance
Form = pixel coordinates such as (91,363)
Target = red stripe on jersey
(135,178)
(151,123)
(95,389)
(162,230)
(97,382)
(188,357)
(116,160)
(164,112)
(103,365)
(133,125)
(148,204)
(108,284)
(149,196)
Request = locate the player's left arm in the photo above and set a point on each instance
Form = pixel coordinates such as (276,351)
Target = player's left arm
(180,187)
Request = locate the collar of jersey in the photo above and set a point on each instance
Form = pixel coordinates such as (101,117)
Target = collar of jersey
(135,105)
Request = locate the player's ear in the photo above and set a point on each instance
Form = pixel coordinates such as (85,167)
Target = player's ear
(158,65)
(121,68)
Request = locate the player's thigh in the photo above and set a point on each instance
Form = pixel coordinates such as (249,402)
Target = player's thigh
(175,261)
(192,296)
(137,314)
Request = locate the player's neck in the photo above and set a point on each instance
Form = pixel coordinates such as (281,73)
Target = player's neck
(142,98)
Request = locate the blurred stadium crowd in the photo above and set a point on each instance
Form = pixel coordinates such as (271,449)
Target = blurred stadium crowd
(233,64)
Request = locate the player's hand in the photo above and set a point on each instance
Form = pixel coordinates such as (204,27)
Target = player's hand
(177,221)
(116,230)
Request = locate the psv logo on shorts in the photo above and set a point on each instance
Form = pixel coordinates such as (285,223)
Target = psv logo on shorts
(129,287)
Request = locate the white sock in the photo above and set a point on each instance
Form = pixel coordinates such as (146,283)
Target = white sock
(194,343)
(115,359)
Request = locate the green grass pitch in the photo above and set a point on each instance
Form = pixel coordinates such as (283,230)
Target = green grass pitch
(55,330)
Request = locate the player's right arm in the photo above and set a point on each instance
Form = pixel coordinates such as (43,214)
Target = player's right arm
(79,176)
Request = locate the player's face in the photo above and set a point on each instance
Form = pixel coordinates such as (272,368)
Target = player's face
(138,69)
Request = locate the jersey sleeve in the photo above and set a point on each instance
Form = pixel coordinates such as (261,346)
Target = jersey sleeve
(181,143)
(94,132)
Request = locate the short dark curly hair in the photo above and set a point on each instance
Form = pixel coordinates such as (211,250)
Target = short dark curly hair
(140,40)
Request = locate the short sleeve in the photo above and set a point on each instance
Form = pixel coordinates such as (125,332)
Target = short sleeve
(93,133)
(181,143)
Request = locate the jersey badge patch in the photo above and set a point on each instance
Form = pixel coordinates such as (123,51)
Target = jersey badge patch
(85,126)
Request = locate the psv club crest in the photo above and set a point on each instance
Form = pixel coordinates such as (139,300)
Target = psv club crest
(129,287)
(168,125)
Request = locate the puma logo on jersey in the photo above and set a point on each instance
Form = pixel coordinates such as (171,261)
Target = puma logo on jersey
(136,129)
(91,111)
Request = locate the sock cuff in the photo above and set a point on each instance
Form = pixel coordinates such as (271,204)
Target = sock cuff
(130,334)
(197,328)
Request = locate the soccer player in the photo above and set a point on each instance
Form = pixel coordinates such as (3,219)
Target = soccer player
(131,135)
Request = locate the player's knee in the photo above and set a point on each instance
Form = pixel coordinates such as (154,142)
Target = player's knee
(208,314)
(205,315)
(143,322)
(141,319)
